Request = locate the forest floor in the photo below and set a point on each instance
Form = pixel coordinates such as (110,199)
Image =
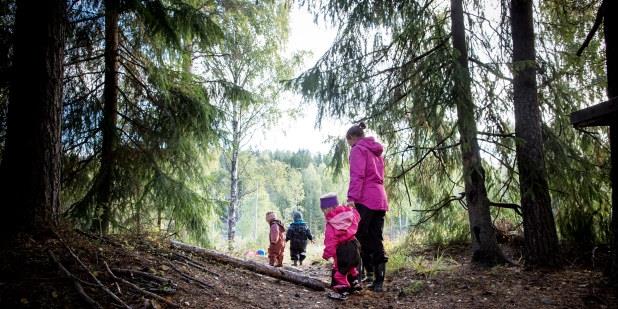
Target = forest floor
(29,278)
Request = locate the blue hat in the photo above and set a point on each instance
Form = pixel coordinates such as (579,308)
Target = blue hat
(328,200)
(297,216)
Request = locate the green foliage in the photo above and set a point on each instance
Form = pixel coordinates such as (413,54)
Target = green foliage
(402,256)
(269,183)
(166,123)
(391,66)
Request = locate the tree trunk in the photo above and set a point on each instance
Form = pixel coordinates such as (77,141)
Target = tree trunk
(275,272)
(110,115)
(159,220)
(234,194)
(611,49)
(30,168)
(484,244)
(541,239)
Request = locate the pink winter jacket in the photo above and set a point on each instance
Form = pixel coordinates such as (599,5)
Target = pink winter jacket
(341,226)
(367,175)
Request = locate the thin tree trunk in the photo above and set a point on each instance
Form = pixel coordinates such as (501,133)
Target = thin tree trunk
(611,50)
(234,196)
(30,168)
(541,239)
(110,115)
(159,220)
(484,244)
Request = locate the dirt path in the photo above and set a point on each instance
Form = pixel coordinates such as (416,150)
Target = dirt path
(429,282)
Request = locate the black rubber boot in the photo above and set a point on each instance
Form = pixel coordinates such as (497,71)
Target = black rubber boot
(366,274)
(294,263)
(378,282)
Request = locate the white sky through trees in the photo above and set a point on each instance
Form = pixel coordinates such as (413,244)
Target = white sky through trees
(294,133)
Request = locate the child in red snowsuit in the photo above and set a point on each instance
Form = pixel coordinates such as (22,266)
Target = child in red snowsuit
(340,242)
(277,240)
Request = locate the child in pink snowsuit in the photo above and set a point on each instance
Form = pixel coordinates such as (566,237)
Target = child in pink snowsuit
(277,240)
(340,242)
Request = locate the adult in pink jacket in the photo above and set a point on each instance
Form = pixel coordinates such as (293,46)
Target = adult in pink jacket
(366,192)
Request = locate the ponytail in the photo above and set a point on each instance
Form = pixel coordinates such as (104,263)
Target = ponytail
(357,130)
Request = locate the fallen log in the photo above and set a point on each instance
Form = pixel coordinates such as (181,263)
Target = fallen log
(275,272)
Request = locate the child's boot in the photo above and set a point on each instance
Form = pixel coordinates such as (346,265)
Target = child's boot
(294,263)
(355,284)
(338,296)
(354,279)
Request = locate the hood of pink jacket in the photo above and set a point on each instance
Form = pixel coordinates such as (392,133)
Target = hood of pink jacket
(342,225)
(371,145)
(341,218)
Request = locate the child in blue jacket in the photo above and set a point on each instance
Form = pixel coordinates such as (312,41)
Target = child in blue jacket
(298,234)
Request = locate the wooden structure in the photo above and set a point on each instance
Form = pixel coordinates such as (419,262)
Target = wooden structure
(602,114)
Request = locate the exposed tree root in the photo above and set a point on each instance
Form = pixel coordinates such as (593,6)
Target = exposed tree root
(137,288)
(76,282)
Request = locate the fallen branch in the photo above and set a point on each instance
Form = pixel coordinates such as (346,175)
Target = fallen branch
(279,273)
(202,283)
(143,274)
(76,282)
(191,262)
(137,288)
(101,285)
(99,238)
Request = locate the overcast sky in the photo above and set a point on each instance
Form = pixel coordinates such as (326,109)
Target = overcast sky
(300,133)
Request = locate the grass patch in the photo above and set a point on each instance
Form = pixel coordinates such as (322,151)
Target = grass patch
(430,267)
(403,258)
(415,287)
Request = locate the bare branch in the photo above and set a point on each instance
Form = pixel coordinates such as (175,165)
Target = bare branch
(515,207)
(595,28)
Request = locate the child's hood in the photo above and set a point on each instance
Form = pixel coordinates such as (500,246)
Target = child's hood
(371,144)
(341,218)
(277,222)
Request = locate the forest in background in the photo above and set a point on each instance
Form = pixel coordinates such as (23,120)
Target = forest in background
(158,99)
